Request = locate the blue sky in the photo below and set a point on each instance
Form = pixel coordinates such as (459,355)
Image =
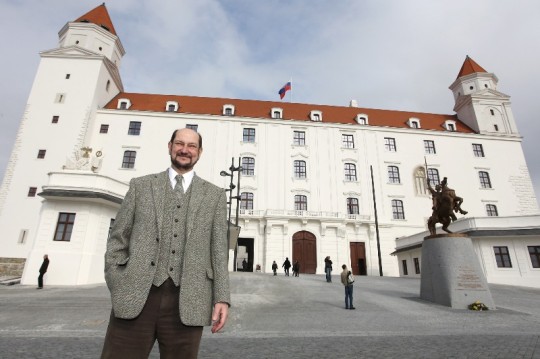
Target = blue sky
(391,54)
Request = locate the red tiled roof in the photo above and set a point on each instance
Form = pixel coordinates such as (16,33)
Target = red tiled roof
(469,67)
(291,111)
(99,16)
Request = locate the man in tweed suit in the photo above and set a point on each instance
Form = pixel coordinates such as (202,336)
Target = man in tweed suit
(166,260)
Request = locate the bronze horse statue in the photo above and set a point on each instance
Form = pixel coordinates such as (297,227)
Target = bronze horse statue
(445,203)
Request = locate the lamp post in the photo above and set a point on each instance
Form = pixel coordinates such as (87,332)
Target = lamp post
(232,186)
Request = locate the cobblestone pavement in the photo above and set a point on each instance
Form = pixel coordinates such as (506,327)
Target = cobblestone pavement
(288,317)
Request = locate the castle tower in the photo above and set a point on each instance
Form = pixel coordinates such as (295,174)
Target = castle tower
(72,81)
(479,104)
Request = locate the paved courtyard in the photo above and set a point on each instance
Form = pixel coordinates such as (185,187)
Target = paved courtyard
(288,317)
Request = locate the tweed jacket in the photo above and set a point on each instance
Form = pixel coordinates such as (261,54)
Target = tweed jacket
(133,249)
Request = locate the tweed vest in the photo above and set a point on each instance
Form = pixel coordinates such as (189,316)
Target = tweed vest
(173,236)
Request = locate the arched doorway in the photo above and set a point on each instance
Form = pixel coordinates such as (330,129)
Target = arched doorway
(305,251)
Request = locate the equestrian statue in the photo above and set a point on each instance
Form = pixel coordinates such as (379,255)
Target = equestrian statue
(445,203)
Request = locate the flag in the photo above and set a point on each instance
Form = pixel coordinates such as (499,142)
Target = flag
(284,89)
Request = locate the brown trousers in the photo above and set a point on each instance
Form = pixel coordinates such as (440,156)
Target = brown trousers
(159,319)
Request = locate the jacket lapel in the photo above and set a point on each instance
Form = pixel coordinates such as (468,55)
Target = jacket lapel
(198,192)
(159,182)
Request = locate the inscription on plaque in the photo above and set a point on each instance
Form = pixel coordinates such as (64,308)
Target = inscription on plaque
(469,279)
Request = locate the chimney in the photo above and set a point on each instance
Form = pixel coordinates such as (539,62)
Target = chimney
(353,103)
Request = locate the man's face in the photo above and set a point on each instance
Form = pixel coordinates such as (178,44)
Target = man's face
(185,150)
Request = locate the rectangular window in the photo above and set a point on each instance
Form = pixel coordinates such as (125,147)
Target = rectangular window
(300,203)
(502,257)
(55,119)
(134,128)
(104,128)
(64,227)
(248,166)
(397,209)
(22,236)
(352,206)
(32,191)
(491,210)
(347,141)
(41,154)
(390,144)
(534,253)
(129,159)
(249,135)
(404,266)
(171,108)
(68,76)
(393,174)
(416,265)
(192,127)
(350,172)
(485,182)
(433,176)
(300,169)
(429,147)
(299,138)
(246,200)
(60,98)
(478,150)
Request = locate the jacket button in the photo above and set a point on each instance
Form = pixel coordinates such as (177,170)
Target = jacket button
(175,235)
(171,269)
(173,251)
(178,206)
(152,263)
(176,219)
(157,239)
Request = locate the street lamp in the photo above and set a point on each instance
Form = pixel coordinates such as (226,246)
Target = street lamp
(234,236)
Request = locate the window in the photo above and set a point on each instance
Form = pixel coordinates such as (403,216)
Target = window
(64,227)
(350,172)
(478,150)
(60,98)
(416,265)
(492,112)
(277,112)
(390,144)
(491,210)
(41,153)
(32,191)
(134,128)
(299,138)
(433,176)
(171,106)
(246,200)
(68,76)
(124,104)
(111,224)
(496,128)
(108,85)
(362,119)
(300,202)
(104,128)
(352,206)
(192,127)
(450,126)
(429,147)
(22,236)
(347,141)
(129,159)
(534,253)
(413,123)
(248,166)
(228,110)
(485,182)
(299,169)
(249,135)
(404,266)
(316,116)
(55,119)
(502,257)
(397,209)
(393,174)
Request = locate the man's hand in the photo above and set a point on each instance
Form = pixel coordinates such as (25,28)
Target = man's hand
(219,316)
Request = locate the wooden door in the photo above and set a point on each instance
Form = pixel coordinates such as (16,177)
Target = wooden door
(305,251)
(358,258)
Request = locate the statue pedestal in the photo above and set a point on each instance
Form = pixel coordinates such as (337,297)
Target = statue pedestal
(451,272)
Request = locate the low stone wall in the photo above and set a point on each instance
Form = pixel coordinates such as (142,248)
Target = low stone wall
(11,266)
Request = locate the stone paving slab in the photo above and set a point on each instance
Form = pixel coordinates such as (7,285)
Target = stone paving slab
(287,317)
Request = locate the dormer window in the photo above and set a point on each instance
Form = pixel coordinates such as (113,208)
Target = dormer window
(124,104)
(450,125)
(277,112)
(172,106)
(315,116)
(228,110)
(362,119)
(413,123)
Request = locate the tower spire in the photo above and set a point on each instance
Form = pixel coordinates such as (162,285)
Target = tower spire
(99,16)
(469,67)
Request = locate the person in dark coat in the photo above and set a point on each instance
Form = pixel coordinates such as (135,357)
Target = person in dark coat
(286,265)
(328,269)
(296,269)
(274,268)
(42,271)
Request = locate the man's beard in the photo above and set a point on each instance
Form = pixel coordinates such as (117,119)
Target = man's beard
(188,166)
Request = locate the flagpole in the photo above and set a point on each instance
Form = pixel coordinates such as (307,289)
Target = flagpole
(290,96)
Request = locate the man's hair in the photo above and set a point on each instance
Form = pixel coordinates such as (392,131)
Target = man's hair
(174,136)
(344,266)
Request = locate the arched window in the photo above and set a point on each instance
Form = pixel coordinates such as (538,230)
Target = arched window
(485,182)
(491,210)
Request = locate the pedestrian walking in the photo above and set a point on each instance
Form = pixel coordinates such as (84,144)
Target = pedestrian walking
(347,279)
(274,268)
(42,271)
(286,265)
(328,268)
(296,269)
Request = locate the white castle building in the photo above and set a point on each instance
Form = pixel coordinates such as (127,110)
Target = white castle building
(306,184)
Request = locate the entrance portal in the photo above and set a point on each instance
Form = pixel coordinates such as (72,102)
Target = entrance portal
(245,252)
(305,251)
(358,258)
